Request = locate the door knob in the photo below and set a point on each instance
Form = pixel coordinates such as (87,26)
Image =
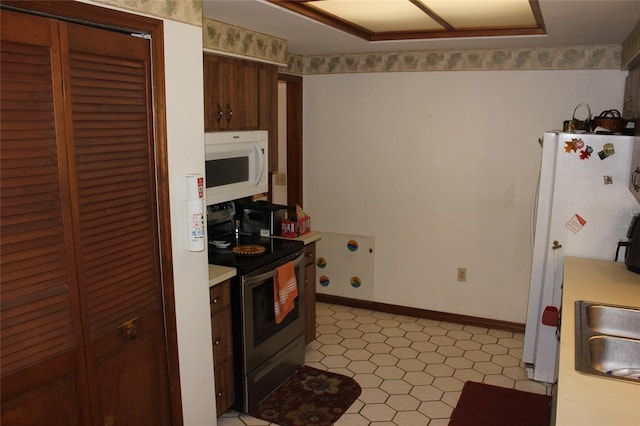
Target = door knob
(130,330)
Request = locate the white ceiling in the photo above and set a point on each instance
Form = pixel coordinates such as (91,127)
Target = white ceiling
(568,22)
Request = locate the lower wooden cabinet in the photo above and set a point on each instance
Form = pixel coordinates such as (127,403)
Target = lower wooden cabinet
(220,303)
(310,292)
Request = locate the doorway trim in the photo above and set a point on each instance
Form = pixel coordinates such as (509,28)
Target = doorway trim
(294,137)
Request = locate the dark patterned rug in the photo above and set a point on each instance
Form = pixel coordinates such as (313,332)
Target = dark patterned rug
(310,397)
(487,405)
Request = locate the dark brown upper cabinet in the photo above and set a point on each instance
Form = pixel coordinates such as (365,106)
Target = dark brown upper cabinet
(241,95)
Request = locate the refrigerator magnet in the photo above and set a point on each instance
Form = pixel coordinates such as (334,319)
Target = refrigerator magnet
(578,144)
(574,145)
(585,154)
(576,223)
(607,151)
(570,146)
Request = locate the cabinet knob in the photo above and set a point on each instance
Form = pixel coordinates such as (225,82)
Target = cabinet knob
(220,393)
(217,342)
(215,300)
(219,112)
(229,113)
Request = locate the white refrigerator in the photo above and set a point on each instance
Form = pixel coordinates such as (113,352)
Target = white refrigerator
(584,207)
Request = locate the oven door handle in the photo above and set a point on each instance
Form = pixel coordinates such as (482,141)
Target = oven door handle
(251,280)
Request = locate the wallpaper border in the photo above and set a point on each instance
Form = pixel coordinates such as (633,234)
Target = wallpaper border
(539,58)
(187,11)
(240,41)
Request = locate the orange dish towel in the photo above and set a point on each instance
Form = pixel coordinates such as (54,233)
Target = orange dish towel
(285,290)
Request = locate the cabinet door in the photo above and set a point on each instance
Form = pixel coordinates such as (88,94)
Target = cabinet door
(220,302)
(221,336)
(310,295)
(225,389)
(216,76)
(243,96)
(230,94)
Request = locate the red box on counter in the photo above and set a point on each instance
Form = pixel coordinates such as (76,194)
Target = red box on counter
(293,229)
(288,229)
(304,225)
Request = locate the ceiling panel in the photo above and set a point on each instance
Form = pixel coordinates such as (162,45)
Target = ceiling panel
(485,13)
(379,16)
(567,23)
(422,19)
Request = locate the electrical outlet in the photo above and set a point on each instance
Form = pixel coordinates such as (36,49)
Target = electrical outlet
(462,274)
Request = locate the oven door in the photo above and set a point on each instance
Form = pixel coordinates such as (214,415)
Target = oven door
(263,338)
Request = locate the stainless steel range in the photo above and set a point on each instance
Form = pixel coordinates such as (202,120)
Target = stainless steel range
(266,353)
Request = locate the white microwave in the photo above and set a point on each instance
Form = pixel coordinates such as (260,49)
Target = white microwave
(235,165)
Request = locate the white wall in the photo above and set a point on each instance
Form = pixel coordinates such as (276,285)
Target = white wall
(185,136)
(441,168)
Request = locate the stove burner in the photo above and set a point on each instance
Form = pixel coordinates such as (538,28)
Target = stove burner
(249,250)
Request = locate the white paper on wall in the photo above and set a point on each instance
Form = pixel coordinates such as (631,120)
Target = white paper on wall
(344,265)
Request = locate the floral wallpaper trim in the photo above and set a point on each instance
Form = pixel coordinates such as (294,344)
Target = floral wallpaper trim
(187,11)
(631,46)
(241,41)
(540,58)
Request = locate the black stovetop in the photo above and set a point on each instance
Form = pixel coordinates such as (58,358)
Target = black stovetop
(275,249)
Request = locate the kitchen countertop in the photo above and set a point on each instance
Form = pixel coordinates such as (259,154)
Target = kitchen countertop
(218,274)
(308,238)
(582,399)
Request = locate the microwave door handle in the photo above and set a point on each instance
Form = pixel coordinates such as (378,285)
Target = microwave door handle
(260,161)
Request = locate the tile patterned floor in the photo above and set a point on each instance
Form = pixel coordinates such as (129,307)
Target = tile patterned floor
(411,370)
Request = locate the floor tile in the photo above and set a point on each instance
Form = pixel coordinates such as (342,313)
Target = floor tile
(411,370)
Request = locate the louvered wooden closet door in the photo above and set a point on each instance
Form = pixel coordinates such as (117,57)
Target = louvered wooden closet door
(112,170)
(83,338)
(41,338)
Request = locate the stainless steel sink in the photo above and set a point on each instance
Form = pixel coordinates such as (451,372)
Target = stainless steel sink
(613,320)
(608,340)
(615,355)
